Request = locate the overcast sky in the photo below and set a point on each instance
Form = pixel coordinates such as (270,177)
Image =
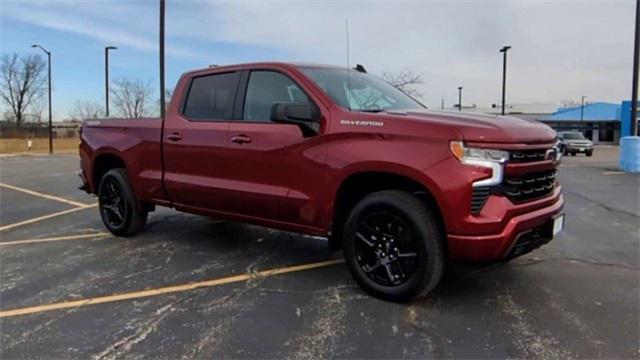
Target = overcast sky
(560,49)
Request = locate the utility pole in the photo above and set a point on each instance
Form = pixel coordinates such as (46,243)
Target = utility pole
(442,104)
(634,86)
(162,101)
(582,108)
(504,75)
(459,98)
(106,78)
(49,88)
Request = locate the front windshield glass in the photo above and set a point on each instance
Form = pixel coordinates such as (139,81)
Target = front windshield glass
(360,91)
(573,136)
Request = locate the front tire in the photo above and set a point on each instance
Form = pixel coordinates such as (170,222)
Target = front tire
(393,246)
(121,211)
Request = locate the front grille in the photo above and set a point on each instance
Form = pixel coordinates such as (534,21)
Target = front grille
(479,196)
(530,186)
(525,156)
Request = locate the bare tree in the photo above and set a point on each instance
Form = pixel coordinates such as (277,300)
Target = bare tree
(131,97)
(405,81)
(22,81)
(86,110)
(37,109)
(168,93)
(8,116)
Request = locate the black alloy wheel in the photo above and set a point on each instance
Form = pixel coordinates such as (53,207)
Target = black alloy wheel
(122,212)
(393,246)
(386,248)
(112,206)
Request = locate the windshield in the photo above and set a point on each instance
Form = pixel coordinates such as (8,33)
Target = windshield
(573,136)
(359,91)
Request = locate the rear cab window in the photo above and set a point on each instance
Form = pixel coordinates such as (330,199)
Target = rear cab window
(211,97)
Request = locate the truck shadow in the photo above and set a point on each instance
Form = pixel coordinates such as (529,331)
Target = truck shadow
(239,243)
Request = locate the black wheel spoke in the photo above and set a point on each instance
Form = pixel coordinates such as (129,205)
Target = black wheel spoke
(386,248)
(398,266)
(117,212)
(365,240)
(393,278)
(371,232)
(368,269)
(113,189)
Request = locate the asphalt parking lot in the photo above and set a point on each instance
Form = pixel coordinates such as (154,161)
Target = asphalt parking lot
(191,286)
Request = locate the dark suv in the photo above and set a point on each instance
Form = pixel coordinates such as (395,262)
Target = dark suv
(573,142)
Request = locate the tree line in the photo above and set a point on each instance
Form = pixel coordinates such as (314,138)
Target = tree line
(23,89)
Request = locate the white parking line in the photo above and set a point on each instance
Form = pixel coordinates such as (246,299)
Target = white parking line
(46,196)
(45,217)
(57,238)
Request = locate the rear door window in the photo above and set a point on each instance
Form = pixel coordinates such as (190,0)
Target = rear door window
(266,88)
(212,97)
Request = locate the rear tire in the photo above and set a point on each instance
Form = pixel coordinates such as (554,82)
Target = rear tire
(120,209)
(393,246)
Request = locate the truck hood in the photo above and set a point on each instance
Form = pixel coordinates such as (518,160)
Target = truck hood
(485,128)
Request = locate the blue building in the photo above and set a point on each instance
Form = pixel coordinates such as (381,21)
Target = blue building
(598,121)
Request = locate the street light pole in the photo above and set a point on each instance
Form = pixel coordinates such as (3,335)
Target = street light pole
(582,108)
(106,78)
(161,48)
(459,98)
(634,86)
(504,74)
(49,88)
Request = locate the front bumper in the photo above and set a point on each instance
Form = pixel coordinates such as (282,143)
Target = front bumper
(577,148)
(511,226)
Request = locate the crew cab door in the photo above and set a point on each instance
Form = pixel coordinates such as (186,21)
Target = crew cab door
(278,173)
(196,145)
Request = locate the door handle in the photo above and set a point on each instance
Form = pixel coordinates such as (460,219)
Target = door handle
(176,136)
(241,139)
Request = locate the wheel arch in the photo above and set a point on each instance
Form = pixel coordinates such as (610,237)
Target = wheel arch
(103,163)
(359,184)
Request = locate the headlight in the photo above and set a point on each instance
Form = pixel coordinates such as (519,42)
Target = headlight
(487,158)
(463,153)
(558,151)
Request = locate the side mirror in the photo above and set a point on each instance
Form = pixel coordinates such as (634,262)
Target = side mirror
(304,115)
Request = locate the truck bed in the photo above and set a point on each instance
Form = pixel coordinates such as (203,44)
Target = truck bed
(137,140)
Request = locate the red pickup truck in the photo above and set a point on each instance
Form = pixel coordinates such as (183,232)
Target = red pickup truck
(332,152)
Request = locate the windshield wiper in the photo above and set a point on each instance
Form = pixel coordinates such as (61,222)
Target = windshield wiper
(371,110)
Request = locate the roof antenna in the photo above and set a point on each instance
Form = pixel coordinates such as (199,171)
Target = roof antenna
(346,26)
(360,68)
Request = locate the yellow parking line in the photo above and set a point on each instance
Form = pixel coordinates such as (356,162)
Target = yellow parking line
(58,238)
(46,196)
(45,217)
(165,290)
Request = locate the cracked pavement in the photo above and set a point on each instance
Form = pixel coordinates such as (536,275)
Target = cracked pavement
(577,297)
